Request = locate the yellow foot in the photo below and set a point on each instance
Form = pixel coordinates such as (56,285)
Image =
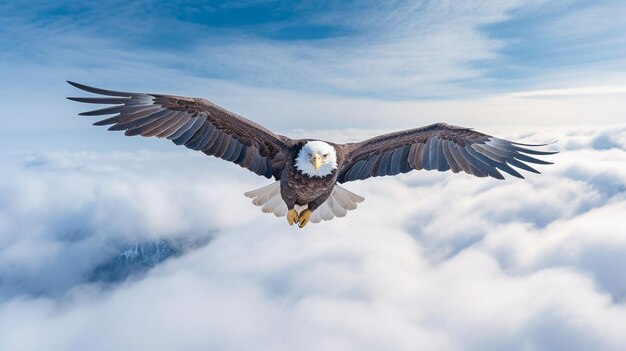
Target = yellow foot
(304,218)
(292,216)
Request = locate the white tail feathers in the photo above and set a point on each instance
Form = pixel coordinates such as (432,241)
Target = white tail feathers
(338,203)
(269,198)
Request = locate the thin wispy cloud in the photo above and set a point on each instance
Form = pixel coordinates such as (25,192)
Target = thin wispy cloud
(392,50)
(594,90)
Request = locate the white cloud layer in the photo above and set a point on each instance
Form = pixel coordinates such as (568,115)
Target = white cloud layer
(429,261)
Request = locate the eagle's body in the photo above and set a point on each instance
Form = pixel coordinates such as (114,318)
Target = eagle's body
(307,171)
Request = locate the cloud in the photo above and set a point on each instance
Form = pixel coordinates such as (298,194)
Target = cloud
(391,51)
(598,90)
(407,49)
(63,214)
(430,260)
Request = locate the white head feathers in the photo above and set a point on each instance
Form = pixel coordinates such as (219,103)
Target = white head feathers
(318,154)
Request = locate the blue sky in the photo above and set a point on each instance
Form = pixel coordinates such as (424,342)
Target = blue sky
(316,65)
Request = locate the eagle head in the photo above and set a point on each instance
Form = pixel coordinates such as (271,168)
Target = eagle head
(316,159)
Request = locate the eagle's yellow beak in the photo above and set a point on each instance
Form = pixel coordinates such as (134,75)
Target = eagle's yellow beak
(317,162)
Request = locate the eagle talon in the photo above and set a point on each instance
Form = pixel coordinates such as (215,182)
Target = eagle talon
(304,218)
(292,216)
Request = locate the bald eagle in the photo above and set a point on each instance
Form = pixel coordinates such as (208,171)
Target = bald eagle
(307,171)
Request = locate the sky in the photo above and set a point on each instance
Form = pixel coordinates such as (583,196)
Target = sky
(314,65)
(429,261)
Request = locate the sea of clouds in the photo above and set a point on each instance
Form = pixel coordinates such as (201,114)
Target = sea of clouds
(433,261)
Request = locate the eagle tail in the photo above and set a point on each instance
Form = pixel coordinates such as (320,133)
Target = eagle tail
(268,197)
(340,201)
(338,204)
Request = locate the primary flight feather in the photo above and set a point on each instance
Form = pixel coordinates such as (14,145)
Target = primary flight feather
(306,170)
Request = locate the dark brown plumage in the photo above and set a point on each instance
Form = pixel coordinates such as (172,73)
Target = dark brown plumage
(201,125)
(196,123)
(439,147)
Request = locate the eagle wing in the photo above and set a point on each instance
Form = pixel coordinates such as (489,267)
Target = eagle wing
(439,147)
(196,123)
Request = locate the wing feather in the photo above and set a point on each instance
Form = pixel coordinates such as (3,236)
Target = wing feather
(223,147)
(369,166)
(442,164)
(97,100)
(107,121)
(476,166)
(196,123)
(426,155)
(216,144)
(189,133)
(454,166)
(174,127)
(185,127)
(484,163)
(419,156)
(384,164)
(140,121)
(460,160)
(200,138)
(404,159)
(439,147)
(356,170)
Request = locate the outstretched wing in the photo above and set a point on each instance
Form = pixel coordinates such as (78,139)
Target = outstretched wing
(196,123)
(439,147)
